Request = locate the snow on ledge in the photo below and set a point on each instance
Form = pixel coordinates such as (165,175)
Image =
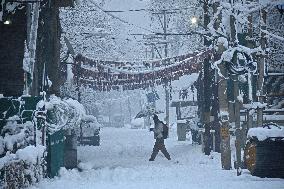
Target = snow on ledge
(264,133)
(181,121)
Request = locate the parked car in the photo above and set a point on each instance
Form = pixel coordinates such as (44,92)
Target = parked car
(89,131)
(137,123)
(117,121)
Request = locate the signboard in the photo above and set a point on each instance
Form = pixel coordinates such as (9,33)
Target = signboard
(225,132)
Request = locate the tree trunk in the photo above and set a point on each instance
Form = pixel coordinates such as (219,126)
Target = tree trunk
(207,85)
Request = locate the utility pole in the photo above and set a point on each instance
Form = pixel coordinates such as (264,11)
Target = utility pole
(261,68)
(167,82)
(236,113)
(150,43)
(129,107)
(147,121)
(163,22)
(153,45)
(207,85)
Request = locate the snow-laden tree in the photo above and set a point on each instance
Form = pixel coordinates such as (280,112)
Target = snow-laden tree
(238,31)
(96,34)
(90,31)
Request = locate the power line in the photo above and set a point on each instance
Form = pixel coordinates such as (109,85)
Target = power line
(149,10)
(118,18)
(131,10)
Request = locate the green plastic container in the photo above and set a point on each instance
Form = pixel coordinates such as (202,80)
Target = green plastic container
(55,153)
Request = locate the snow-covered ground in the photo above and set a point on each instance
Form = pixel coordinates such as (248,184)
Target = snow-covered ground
(122,162)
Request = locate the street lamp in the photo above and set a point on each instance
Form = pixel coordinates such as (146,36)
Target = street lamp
(8,22)
(193,20)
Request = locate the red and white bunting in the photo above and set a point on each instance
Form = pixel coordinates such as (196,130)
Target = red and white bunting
(107,75)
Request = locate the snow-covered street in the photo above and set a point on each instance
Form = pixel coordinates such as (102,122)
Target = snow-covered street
(92,90)
(122,162)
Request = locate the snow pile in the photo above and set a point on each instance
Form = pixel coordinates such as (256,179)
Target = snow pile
(15,136)
(64,114)
(29,154)
(21,163)
(23,168)
(262,134)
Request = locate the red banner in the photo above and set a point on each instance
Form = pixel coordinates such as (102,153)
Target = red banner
(108,75)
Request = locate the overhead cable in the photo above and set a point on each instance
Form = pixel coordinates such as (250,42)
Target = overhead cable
(118,18)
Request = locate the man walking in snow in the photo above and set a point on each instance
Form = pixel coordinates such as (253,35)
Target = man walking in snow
(160,133)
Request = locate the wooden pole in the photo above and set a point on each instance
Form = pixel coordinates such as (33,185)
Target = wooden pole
(250,75)
(224,117)
(167,82)
(213,138)
(238,126)
(261,68)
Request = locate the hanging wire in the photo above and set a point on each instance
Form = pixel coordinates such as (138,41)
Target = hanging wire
(118,18)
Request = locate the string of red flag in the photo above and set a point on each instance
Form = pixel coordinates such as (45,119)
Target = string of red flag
(113,75)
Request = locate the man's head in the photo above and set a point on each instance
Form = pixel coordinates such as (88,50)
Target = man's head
(155,118)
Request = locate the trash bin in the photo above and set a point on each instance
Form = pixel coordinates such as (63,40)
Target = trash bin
(55,153)
(181,130)
(70,151)
(265,157)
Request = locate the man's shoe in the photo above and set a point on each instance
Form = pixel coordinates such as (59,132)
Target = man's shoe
(151,159)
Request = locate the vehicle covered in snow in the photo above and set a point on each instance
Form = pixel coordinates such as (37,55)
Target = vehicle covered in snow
(137,123)
(117,121)
(89,133)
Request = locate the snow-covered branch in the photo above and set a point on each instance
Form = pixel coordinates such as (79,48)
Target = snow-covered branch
(273,35)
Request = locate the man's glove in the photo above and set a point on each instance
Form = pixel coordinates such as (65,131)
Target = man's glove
(151,129)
